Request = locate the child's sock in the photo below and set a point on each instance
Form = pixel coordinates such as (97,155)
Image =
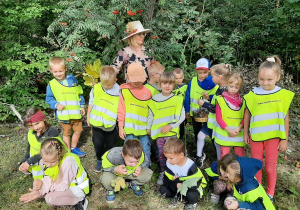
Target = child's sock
(200,143)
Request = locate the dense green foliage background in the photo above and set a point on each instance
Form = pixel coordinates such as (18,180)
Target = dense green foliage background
(240,32)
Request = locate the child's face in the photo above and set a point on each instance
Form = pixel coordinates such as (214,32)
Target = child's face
(216,77)
(166,88)
(130,161)
(223,174)
(37,126)
(233,87)
(174,159)
(108,84)
(179,78)
(231,174)
(136,84)
(50,160)
(267,78)
(202,74)
(59,71)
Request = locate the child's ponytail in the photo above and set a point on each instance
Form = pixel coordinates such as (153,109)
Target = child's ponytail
(271,62)
(222,69)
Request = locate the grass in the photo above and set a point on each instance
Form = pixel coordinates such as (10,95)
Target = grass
(13,183)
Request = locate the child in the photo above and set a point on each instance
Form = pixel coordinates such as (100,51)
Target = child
(166,113)
(230,117)
(180,168)
(219,75)
(40,129)
(155,70)
(248,192)
(102,113)
(180,90)
(267,119)
(133,108)
(217,174)
(65,181)
(64,95)
(130,163)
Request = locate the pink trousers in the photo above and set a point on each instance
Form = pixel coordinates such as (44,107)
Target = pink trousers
(271,155)
(64,198)
(239,151)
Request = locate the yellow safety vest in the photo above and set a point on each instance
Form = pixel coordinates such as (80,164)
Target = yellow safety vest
(35,148)
(180,91)
(268,113)
(233,119)
(130,170)
(210,173)
(196,93)
(136,114)
(212,116)
(252,195)
(81,179)
(164,113)
(69,97)
(152,89)
(105,108)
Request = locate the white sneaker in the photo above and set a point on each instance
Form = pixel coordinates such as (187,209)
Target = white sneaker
(160,180)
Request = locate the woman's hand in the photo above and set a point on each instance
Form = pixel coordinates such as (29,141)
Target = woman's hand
(282,146)
(24,167)
(37,184)
(26,198)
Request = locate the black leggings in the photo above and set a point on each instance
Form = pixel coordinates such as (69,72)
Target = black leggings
(192,195)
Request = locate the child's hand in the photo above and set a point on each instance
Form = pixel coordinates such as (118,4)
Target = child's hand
(229,187)
(37,184)
(122,133)
(187,115)
(82,111)
(178,185)
(175,177)
(232,205)
(236,131)
(24,167)
(149,132)
(137,171)
(26,198)
(121,169)
(88,120)
(246,138)
(206,96)
(282,146)
(200,102)
(166,129)
(231,133)
(60,107)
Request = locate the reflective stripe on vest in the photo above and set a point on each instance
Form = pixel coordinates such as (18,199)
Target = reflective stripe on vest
(233,119)
(268,114)
(81,179)
(212,116)
(130,170)
(152,89)
(164,113)
(136,114)
(180,91)
(196,93)
(210,173)
(69,97)
(105,108)
(252,195)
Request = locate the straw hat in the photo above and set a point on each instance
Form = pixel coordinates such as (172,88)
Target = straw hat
(133,28)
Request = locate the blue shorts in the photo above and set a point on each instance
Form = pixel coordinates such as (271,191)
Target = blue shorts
(206,130)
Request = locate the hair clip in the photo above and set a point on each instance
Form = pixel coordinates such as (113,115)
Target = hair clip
(51,143)
(271,59)
(227,65)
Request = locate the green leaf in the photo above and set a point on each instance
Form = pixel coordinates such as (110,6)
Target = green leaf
(186,185)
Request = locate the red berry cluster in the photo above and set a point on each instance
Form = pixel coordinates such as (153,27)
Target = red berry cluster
(130,13)
(116,12)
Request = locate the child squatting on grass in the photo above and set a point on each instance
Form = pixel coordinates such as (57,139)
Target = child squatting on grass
(179,168)
(128,162)
(65,181)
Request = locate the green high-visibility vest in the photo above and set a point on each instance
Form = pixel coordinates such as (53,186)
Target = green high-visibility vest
(252,195)
(152,89)
(181,91)
(136,114)
(164,113)
(210,173)
(81,179)
(105,108)
(268,113)
(233,119)
(196,93)
(107,164)
(212,116)
(35,148)
(69,97)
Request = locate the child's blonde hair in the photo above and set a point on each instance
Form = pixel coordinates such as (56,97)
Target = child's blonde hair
(174,146)
(154,67)
(167,77)
(53,146)
(221,69)
(271,62)
(235,77)
(232,162)
(31,111)
(57,61)
(108,73)
(178,71)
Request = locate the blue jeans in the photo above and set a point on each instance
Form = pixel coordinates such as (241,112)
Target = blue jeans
(145,143)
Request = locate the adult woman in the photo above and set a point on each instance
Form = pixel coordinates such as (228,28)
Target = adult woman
(135,52)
